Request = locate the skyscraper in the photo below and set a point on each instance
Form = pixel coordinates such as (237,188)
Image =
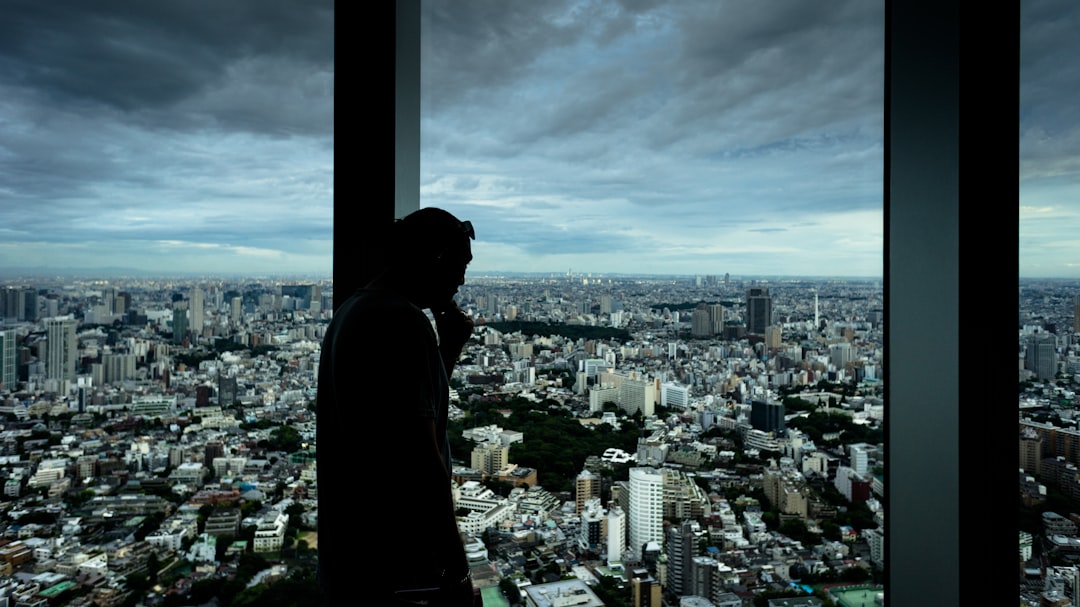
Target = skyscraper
(646,508)
(179,322)
(758,310)
(8,377)
(197,306)
(1041,355)
(1076,313)
(61,348)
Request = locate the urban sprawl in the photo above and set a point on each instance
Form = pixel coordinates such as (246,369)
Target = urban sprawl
(617,440)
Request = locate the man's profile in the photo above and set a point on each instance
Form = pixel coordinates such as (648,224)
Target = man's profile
(382,411)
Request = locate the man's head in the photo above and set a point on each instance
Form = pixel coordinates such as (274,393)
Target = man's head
(430,249)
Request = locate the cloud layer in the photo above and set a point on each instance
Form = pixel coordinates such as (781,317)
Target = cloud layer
(687,137)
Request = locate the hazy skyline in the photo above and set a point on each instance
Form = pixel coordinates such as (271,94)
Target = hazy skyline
(618,137)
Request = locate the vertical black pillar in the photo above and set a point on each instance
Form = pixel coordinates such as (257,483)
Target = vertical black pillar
(376,133)
(922,290)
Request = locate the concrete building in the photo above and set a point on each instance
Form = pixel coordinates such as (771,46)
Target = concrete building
(645,520)
(758,310)
(586,487)
(8,369)
(62,348)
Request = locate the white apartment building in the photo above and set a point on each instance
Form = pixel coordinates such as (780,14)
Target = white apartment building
(616,534)
(646,514)
(270,533)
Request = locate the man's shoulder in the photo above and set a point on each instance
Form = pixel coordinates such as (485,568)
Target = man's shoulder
(373,310)
(378,301)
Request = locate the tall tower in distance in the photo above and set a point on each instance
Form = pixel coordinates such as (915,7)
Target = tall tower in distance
(197,306)
(758,310)
(8,377)
(61,344)
(1076,313)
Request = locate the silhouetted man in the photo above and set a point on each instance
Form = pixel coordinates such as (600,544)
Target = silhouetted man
(382,412)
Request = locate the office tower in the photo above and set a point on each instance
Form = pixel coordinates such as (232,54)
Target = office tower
(30,305)
(8,376)
(716,317)
(122,303)
(773,336)
(235,310)
(9,303)
(840,354)
(767,417)
(1041,356)
(616,533)
(586,487)
(62,348)
(646,508)
(179,322)
(226,391)
(700,322)
(85,386)
(859,459)
(1076,313)
(817,317)
(117,367)
(758,310)
(197,306)
(605,304)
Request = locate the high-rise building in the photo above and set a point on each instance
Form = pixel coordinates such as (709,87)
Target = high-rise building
(758,310)
(179,323)
(30,305)
(1041,356)
(616,530)
(716,317)
(8,376)
(767,417)
(1076,313)
(235,309)
(700,323)
(198,304)
(61,348)
(681,547)
(586,487)
(226,390)
(646,514)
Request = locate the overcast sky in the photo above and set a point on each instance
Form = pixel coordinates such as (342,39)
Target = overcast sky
(1049,139)
(690,137)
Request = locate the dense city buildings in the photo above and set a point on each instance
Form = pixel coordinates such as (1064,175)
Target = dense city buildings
(720,437)
(1048,363)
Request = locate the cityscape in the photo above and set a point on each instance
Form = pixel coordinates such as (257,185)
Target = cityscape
(1049,441)
(617,440)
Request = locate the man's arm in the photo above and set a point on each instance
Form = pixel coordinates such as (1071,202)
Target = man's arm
(455,328)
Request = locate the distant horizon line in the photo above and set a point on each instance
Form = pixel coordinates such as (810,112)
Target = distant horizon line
(102,273)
